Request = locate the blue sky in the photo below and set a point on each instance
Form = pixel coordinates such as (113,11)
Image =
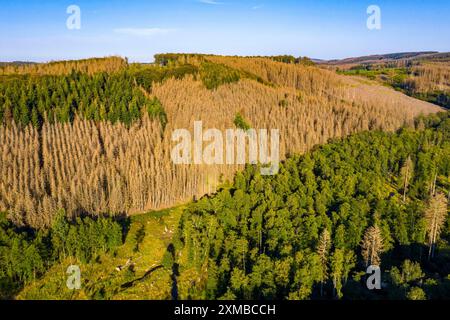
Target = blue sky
(36,29)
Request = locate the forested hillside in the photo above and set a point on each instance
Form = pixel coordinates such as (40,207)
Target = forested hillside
(93,137)
(310,231)
(225,158)
(307,233)
(87,66)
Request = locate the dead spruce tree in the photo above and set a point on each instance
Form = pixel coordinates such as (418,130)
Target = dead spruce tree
(406,174)
(323,249)
(372,246)
(435,216)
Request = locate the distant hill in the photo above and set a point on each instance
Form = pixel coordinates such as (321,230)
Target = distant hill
(89,66)
(17,63)
(422,75)
(384,57)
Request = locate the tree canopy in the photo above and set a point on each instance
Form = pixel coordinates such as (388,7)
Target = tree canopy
(267,237)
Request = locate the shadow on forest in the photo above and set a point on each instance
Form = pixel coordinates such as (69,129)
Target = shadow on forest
(417,252)
(174,275)
(149,272)
(175,272)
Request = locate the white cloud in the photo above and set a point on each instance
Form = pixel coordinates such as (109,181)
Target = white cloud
(257,7)
(142,32)
(210,2)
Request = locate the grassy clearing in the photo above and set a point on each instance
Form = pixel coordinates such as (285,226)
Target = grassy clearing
(146,242)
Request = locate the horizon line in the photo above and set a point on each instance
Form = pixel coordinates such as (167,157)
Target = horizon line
(49,60)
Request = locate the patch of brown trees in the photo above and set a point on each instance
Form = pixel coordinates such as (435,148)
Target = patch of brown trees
(104,168)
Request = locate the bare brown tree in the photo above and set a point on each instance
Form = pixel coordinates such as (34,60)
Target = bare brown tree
(323,249)
(406,174)
(435,217)
(372,246)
